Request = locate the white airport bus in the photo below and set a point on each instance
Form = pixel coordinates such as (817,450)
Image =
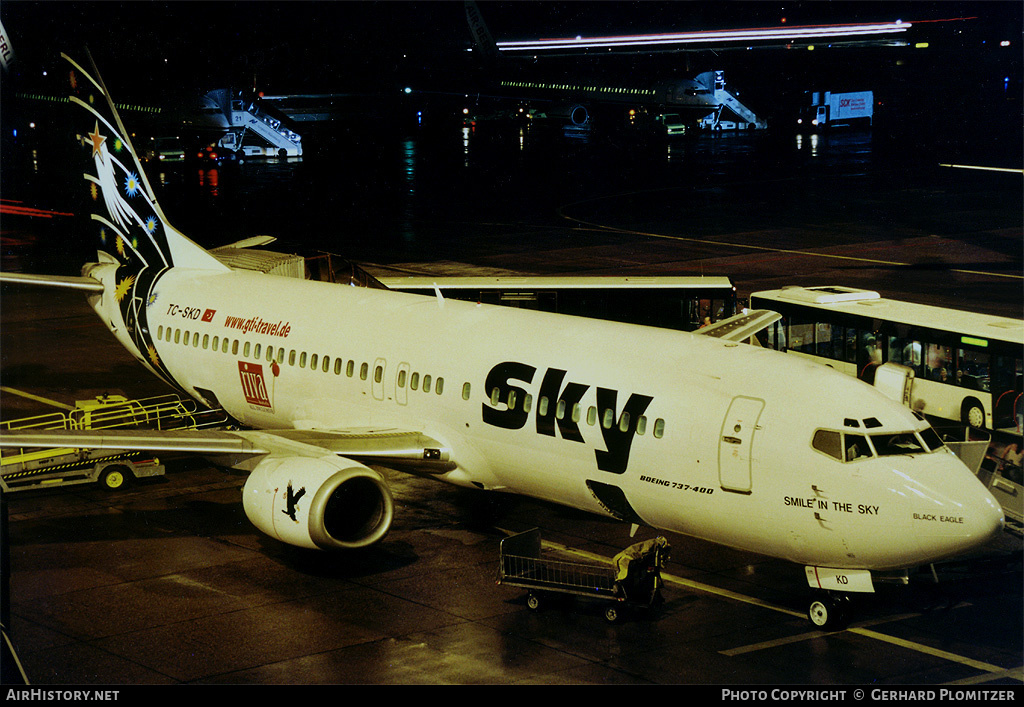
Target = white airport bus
(967,367)
(683,303)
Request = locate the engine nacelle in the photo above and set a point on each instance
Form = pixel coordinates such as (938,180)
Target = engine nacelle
(326,503)
(573,112)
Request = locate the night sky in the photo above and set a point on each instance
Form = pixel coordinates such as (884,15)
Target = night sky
(344,45)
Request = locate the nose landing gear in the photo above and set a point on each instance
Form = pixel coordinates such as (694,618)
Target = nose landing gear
(829,611)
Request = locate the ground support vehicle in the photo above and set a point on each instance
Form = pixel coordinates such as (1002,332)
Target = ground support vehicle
(25,469)
(522,565)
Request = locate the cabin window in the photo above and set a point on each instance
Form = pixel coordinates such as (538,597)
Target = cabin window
(160,332)
(659,428)
(216,343)
(641,424)
(257,351)
(350,369)
(542,409)
(466,390)
(326,365)
(560,410)
(206,341)
(439,386)
(302,359)
(270,353)
(495,397)
(378,374)
(527,403)
(185,337)
(195,340)
(245,350)
(177,336)
(313,360)
(291,357)
(511,400)
(592,415)
(364,371)
(401,379)
(414,382)
(426,383)
(280,355)
(337,366)
(607,418)
(624,422)
(828,442)
(576,411)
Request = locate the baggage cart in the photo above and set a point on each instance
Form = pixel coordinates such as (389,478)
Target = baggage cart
(522,565)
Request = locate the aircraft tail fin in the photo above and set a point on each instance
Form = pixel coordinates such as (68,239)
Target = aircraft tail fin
(130,223)
(482,40)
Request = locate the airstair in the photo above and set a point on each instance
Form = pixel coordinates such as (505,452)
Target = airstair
(253,131)
(743,117)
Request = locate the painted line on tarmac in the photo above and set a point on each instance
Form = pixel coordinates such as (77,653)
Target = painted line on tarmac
(768,249)
(860,630)
(37,398)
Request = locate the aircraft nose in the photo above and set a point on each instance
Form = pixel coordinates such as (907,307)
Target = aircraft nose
(978,521)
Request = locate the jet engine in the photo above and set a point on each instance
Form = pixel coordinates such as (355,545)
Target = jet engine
(325,503)
(573,112)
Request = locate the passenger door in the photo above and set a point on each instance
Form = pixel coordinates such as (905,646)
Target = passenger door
(736,442)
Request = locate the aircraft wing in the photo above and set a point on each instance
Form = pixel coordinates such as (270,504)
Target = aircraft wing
(81,283)
(742,326)
(400,449)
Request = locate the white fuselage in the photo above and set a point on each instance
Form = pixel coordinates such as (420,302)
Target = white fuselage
(717,443)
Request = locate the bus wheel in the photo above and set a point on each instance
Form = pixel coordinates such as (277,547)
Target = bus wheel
(972,413)
(114,477)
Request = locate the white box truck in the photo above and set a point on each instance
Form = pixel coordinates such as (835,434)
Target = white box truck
(829,109)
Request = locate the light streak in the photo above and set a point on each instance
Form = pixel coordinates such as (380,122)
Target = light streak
(742,35)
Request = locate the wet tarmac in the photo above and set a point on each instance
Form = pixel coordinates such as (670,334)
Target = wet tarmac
(167,582)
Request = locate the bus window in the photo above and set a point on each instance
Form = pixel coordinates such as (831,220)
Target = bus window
(972,369)
(869,351)
(938,363)
(801,336)
(905,352)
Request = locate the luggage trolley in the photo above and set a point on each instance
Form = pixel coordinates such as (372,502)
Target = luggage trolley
(521,565)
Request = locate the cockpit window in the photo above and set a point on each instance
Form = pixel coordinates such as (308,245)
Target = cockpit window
(856,447)
(849,447)
(900,443)
(828,442)
(931,439)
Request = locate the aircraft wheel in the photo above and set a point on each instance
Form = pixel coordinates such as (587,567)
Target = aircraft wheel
(114,478)
(827,613)
(533,602)
(611,614)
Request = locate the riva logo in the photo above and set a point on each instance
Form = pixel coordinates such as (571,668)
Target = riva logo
(254,387)
(512,413)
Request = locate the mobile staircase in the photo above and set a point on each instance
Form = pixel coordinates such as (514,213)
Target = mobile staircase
(745,119)
(252,131)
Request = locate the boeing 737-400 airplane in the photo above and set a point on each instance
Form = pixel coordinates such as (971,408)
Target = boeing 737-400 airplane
(690,433)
